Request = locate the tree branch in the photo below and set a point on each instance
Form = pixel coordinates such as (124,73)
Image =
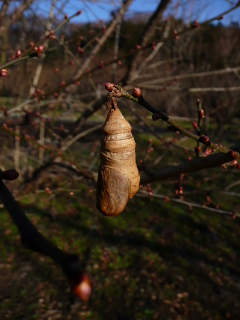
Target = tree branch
(196,164)
(101,41)
(149,32)
(33,240)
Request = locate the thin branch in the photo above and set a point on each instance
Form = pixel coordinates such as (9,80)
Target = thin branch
(116,46)
(63,165)
(86,114)
(16,15)
(80,135)
(153,53)
(192,75)
(232,185)
(192,90)
(191,204)
(119,92)
(148,33)
(43,55)
(196,164)
(101,41)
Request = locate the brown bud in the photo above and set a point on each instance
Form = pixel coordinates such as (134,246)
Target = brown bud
(202,114)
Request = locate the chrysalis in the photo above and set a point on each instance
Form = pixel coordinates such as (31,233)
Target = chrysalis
(118,176)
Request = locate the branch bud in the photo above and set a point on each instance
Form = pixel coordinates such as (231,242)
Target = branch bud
(156,116)
(137,93)
(83,288)
(196,24)
(202,116)
(109,86)
(4,72)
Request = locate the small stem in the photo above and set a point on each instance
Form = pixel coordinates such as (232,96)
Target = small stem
(29,54)
(123,93)
(199,108)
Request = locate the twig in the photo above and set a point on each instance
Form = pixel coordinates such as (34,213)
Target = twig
(234,194)
(18,107)
(191,75)
(121,92)
(153,53)
(17,150)
(190,204)
(41,140)
(101,41)
(29,53)
(192,90)
(64,165)
(234,184)
(116,44)
(80,135)
(196,164)
(43,55)
(148,33)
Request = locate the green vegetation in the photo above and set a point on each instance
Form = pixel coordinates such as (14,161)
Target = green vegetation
(156,260)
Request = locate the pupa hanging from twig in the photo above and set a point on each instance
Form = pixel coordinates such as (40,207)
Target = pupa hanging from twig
(118,176)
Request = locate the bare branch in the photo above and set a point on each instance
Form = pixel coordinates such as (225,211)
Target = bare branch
(197,164)
(192,75)
(15,15)
(101,41)
(190,204)
(149,32)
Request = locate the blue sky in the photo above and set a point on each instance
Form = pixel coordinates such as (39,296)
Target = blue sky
(96,10)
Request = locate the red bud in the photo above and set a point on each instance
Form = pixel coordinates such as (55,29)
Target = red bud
(202,114)
(4,72)
(196,24)
(233,154)
(109,86)
(80,50)
(137,93)
(19,54)
(83,289)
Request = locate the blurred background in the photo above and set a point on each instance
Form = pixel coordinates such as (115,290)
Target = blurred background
(174,252)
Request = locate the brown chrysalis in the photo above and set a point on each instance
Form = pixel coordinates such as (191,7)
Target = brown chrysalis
(118,176)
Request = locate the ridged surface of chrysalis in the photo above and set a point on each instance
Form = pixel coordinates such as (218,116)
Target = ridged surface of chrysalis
(118,176)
